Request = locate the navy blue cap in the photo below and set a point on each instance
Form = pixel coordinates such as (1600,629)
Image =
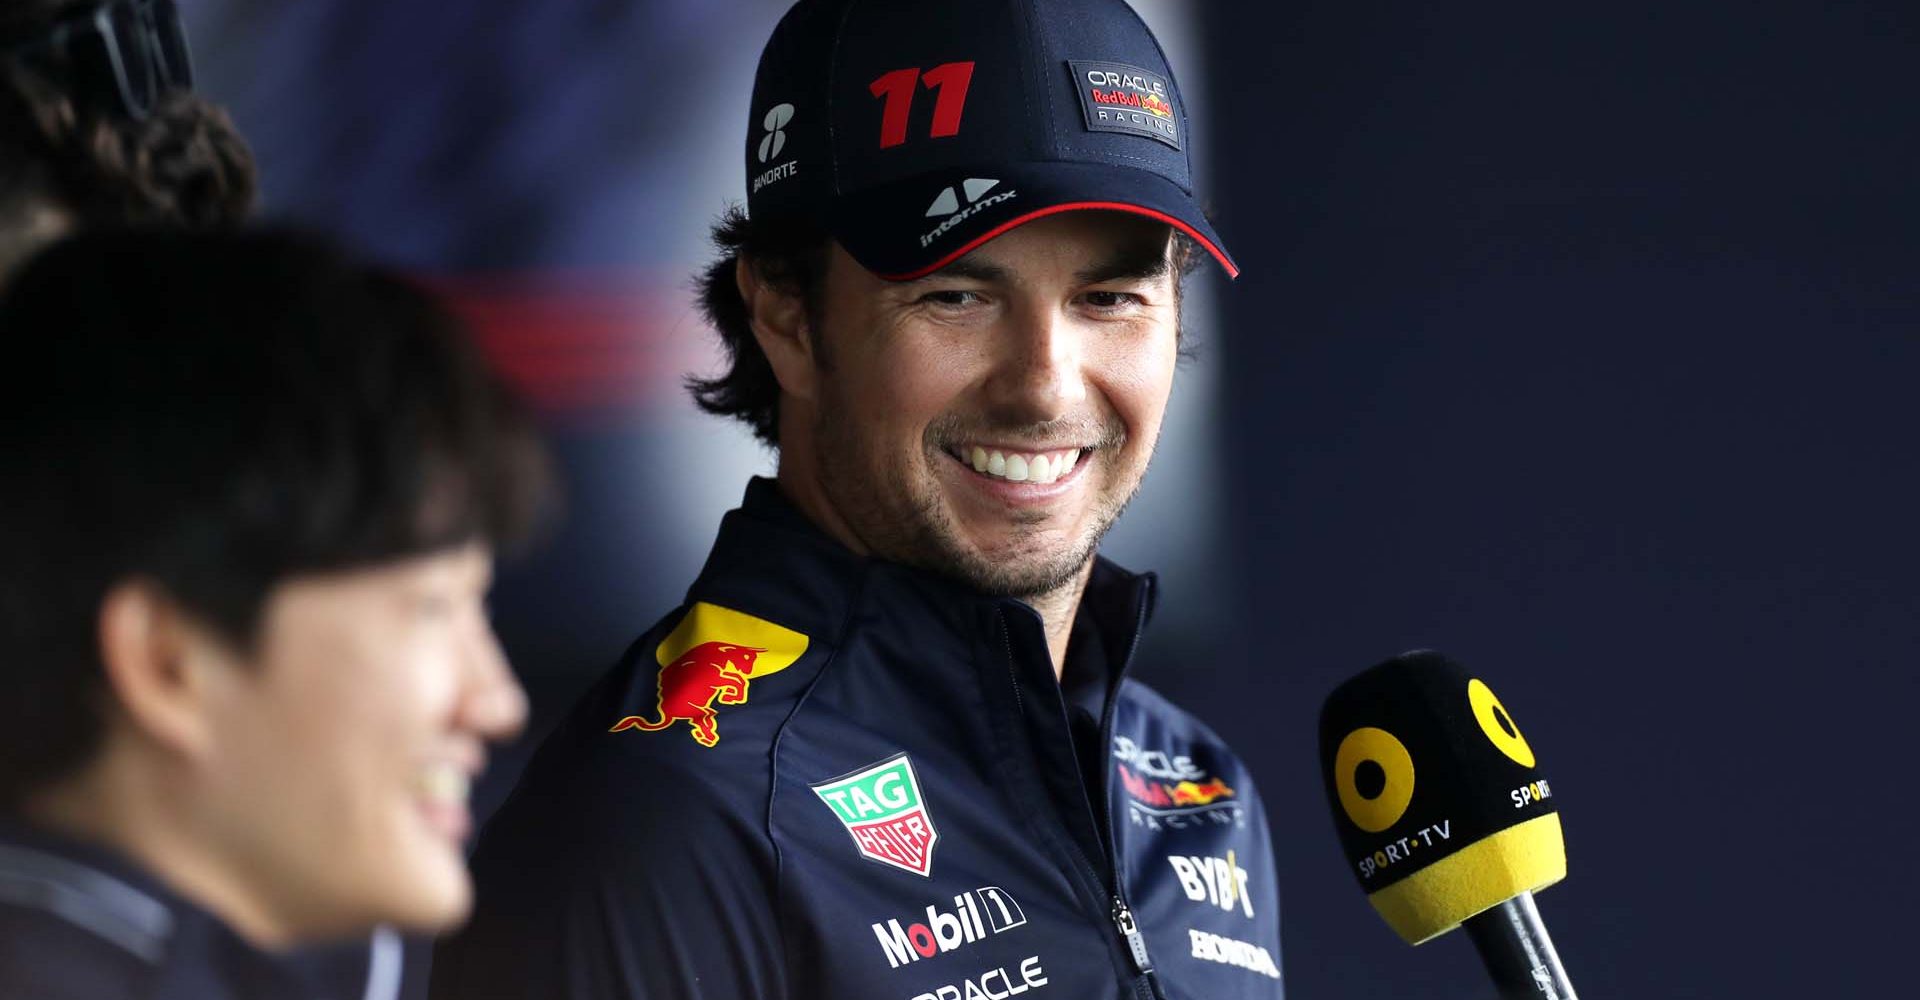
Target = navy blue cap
(916,130)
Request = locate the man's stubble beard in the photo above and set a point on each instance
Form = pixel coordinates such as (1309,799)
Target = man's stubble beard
(900,523)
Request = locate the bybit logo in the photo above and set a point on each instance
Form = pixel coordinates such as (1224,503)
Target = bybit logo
(1213,880)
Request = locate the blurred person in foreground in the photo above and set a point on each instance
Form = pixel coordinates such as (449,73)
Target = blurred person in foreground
(886,748)
(99,126)
(252,494)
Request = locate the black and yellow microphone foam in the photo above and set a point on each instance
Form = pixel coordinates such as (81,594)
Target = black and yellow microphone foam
(1435,792)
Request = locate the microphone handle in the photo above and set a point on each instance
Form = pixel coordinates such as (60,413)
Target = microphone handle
(1514,944)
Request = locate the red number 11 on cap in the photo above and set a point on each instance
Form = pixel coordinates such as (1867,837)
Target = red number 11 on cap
(898,87)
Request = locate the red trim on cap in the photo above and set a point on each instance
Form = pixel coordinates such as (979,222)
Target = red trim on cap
(1072,206)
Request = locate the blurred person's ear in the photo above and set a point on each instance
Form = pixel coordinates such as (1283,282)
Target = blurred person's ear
(160,665)
(26,227)
(778,315)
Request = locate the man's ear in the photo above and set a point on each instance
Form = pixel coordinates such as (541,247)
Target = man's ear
(779,320)
(161,667)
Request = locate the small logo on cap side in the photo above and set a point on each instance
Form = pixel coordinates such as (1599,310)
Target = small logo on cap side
(776,121)
(775,140)
(947,203)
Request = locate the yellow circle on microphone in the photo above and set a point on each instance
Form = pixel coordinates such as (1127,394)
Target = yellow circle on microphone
(1383,749)
(1498,723)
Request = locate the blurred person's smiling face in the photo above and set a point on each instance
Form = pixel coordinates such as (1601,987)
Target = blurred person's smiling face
(989,421)
(333,781)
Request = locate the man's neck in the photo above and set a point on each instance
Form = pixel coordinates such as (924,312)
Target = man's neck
(805,493)
(1056,607)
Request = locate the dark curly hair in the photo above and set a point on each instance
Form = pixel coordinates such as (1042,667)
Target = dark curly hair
(790,254)
(62,157)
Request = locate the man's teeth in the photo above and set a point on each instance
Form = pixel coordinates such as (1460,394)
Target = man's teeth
(1015,467)
(445,783)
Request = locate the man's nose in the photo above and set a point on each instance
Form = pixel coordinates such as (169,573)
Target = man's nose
(493,705)
(1040,376)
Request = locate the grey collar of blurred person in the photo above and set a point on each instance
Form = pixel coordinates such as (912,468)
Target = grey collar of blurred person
(138,938)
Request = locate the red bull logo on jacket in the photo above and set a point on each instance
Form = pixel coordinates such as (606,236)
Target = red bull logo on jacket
(709,659)
(881,808)
(1168,789)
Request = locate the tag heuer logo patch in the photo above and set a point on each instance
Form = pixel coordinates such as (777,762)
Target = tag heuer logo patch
(881,808)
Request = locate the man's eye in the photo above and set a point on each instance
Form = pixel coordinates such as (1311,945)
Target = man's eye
(1112,300)
(951,298)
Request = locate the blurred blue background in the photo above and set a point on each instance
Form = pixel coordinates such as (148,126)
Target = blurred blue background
(1576,341)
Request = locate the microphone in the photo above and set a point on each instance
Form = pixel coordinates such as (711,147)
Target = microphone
(1444,816)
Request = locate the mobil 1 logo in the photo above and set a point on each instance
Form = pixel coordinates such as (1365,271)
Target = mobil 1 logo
(972,917)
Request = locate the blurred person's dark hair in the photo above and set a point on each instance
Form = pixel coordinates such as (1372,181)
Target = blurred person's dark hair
(73,155)
(789,253)
(215,413)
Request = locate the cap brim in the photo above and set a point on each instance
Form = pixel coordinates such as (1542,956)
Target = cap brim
(911,229)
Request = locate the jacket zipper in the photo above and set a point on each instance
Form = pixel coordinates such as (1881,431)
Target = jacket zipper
(1122,915)
(1130,933)
(1123,922)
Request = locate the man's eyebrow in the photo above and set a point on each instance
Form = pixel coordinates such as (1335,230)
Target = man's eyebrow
(1143,262)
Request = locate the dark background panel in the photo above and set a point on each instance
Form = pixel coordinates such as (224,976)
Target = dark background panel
(1579,342)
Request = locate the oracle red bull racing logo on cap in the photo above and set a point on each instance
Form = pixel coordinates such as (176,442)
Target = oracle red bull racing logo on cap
(709,659)
(1116,97)
(881,807)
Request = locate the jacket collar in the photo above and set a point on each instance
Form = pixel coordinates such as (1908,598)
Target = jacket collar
(90,887)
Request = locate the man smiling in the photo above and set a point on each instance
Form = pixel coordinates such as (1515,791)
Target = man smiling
(887,748)
(988,421)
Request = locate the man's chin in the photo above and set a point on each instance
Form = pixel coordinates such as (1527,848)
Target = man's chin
(1016,560)
(1022,578)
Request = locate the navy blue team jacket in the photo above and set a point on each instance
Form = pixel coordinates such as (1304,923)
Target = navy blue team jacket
(830,776)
